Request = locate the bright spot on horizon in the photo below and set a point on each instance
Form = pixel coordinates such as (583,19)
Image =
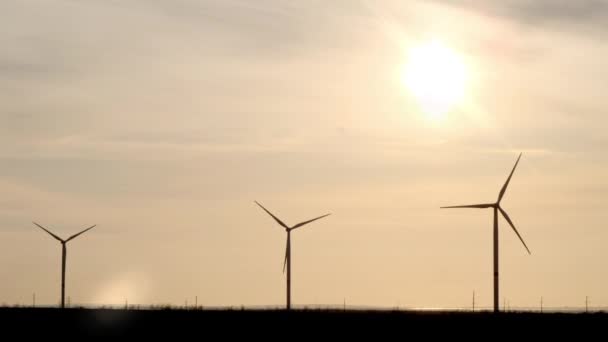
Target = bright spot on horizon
(436,76)
(125,287)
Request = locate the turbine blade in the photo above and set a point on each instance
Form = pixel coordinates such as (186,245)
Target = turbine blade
(46,230)
(286,252)
(506,216)
(82,232)
(504,187)
(274,217)
(309,221)
(480,206)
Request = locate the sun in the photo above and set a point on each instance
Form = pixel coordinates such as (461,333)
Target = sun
(436,76)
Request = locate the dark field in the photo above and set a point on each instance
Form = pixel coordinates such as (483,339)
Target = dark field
(264,324)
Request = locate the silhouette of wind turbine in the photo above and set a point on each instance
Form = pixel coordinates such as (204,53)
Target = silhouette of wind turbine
(496,206)
(287,262)
(63,256)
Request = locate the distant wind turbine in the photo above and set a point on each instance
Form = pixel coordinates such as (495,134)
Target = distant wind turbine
(287,262)
(63,256)
(496,206)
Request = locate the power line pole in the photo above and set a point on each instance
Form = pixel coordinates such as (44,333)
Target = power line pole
(34,299)
(541,304)
(473,301)
(586,304)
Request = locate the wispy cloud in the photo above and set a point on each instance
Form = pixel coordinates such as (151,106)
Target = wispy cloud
(583,16)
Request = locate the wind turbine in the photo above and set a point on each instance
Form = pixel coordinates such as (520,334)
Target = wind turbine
(287,262)
(496,207)
(63,256)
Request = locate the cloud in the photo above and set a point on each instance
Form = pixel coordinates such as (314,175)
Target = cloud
(581,15)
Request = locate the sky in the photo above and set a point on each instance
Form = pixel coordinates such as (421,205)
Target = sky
(162,121)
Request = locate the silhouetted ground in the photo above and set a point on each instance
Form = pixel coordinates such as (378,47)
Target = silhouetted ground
(311,324)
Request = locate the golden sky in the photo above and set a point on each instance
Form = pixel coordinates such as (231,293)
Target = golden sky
(162,121)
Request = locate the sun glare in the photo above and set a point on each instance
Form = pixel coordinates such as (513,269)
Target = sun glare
(436,76)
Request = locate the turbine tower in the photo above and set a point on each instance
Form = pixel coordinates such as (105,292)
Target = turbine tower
(496,208)
(287,262)
(63,256)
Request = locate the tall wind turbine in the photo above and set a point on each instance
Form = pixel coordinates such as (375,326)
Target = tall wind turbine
(63,256)
(496,207)
(287,262)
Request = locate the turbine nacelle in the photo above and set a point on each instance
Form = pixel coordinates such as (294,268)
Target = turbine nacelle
(287,228)
(497,206)
(63,242)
